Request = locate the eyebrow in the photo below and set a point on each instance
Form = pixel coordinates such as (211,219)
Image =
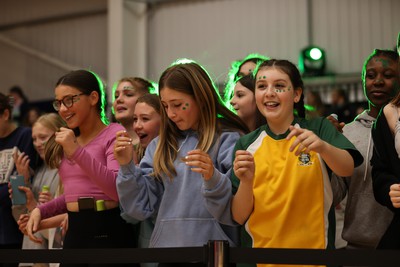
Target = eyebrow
(172,100)
(128,88)
(70,95)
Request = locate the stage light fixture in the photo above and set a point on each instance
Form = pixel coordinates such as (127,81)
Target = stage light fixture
(312,61)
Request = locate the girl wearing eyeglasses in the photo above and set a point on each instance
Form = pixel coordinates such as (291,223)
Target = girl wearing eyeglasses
(83,152)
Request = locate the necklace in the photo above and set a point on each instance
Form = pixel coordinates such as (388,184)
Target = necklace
(184,141)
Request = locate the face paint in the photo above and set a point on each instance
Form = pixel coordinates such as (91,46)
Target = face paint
(128,88)
(385,62)
(282,90)
(262,77)
(186,106)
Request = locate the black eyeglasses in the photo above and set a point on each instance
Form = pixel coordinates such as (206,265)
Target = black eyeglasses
(67,101)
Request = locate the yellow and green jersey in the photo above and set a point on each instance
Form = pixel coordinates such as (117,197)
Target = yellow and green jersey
(292,194)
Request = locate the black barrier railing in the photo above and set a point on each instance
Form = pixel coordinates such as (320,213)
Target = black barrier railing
(215,254)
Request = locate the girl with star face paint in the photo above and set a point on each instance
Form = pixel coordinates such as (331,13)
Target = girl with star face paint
(125,94)
(183,179)
(281,170)
(238,69)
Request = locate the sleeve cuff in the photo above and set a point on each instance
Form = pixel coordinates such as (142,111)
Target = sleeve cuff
(213,181)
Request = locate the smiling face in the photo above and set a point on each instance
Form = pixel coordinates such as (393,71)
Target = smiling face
(40,135)
(180,108)
(125,101)
(243,102)
(381,82)
(275,98)
(146,123)
(75,115)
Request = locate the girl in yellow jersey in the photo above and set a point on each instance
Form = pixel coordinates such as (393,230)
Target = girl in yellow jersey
(283,194)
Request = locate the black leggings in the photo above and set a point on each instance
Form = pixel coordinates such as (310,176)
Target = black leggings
(103,229)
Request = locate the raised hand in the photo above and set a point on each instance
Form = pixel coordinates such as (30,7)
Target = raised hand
(394,194)
(22,161)
(244,166)
(67,139)
(305,141)
(200,162)
(123,149)
(45,197)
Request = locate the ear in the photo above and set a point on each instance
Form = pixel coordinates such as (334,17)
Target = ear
(297,94)
(94,98)
(6,114)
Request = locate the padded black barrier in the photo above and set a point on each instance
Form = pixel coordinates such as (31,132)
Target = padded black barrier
(362,257)
(367,257)
(121,255)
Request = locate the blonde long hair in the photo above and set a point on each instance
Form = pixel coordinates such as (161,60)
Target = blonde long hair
(190,78)
(52,150)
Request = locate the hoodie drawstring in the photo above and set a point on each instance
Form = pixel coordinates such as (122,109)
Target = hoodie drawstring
(367,157)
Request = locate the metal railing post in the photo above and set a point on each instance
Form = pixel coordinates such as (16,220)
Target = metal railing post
(218,253)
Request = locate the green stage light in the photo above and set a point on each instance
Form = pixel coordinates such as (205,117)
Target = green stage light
(312,61)
(315,53)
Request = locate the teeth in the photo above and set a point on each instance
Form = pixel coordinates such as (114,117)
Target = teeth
(271,104)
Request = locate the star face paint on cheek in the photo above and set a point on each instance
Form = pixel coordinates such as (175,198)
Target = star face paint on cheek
(185,106)
(282,90)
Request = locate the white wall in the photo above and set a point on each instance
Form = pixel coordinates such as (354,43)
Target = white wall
(217,32)
(43,39)
(350,29)
(56,36)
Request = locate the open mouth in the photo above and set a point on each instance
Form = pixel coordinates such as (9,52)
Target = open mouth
(142,136)
(271,104)
(68,117)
